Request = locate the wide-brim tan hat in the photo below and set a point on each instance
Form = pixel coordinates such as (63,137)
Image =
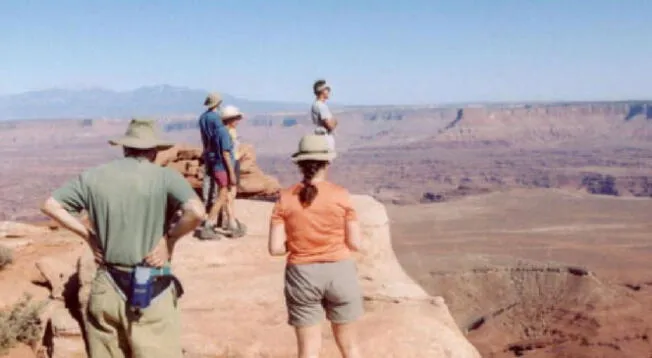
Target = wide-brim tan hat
(213,100)
(314,147)
(142,134)
(230,112)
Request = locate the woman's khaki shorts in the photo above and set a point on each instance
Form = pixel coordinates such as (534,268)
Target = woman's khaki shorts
(311,289)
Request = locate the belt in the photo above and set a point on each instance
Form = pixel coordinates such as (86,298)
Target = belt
(162,278)
(156,271)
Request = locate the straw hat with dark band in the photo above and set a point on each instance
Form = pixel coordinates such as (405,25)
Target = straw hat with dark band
(142,134)
(314,147)
(213,100)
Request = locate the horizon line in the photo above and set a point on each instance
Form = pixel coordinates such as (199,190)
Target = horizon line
(433,104)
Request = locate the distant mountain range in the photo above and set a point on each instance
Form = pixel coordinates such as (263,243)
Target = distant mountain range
(155,101)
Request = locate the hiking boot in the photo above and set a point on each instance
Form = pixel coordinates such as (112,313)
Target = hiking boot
(223,231)
(242,226)
(207,233)
(239,231)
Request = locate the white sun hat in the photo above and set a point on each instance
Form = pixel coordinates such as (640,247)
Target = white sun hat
(230,112)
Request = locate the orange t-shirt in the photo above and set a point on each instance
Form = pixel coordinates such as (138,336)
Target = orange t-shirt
(315,233)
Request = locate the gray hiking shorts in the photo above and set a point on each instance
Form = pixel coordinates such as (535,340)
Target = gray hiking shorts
(314,289)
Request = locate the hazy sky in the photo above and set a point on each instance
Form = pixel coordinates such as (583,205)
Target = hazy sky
(372,51)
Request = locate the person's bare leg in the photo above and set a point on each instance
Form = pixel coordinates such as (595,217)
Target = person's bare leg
(346,339)
(224,219)
(222,197)
(234,194)
(227,223)
(230,210)
(308,341)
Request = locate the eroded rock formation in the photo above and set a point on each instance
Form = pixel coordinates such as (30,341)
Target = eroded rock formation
(188,161)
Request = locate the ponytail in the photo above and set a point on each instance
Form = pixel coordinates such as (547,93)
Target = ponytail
(309,192)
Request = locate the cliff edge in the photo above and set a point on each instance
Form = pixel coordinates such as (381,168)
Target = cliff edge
(234,303)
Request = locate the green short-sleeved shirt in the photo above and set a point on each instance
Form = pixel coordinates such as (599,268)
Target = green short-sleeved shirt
(129,202)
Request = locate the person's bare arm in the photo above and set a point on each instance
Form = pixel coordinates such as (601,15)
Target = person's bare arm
(229,166)
(277,240)
(330,124)
(193,214)
(52,208)
(326,117)
(55,210)
(352,238)
(239,154)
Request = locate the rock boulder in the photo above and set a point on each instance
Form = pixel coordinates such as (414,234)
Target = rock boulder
(57,274)
(188,161)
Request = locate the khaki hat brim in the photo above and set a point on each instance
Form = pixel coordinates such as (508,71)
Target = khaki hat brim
(213,104)
(135,143)
(324,157)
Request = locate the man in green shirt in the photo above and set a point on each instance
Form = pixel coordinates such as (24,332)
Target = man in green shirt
(130,203)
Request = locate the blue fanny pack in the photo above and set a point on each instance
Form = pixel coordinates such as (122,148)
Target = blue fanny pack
(142,287)
(142,284)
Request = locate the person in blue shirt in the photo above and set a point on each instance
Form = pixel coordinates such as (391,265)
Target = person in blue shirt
(219,159)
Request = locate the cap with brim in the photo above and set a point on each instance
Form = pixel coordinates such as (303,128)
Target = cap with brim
(314,147)
(142,134)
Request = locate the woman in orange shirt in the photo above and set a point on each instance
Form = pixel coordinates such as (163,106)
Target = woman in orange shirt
(315,224)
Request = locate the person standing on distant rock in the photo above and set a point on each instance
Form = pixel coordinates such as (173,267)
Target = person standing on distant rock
(132,309)
(231,116)
(219,162)
(315,224)
(321,114)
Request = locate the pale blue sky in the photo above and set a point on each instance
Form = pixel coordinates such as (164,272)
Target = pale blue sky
(373,52)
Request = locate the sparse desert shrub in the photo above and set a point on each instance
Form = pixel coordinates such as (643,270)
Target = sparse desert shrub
(20,324)
(6,256)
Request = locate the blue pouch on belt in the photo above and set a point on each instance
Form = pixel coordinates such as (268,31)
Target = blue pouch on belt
(142,287)
(143,284)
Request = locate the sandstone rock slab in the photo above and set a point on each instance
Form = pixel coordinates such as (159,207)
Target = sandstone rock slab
(64,324)
(236,281)
(234,306)
(57,274)
(86,270)
(11,229)
(68,347)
